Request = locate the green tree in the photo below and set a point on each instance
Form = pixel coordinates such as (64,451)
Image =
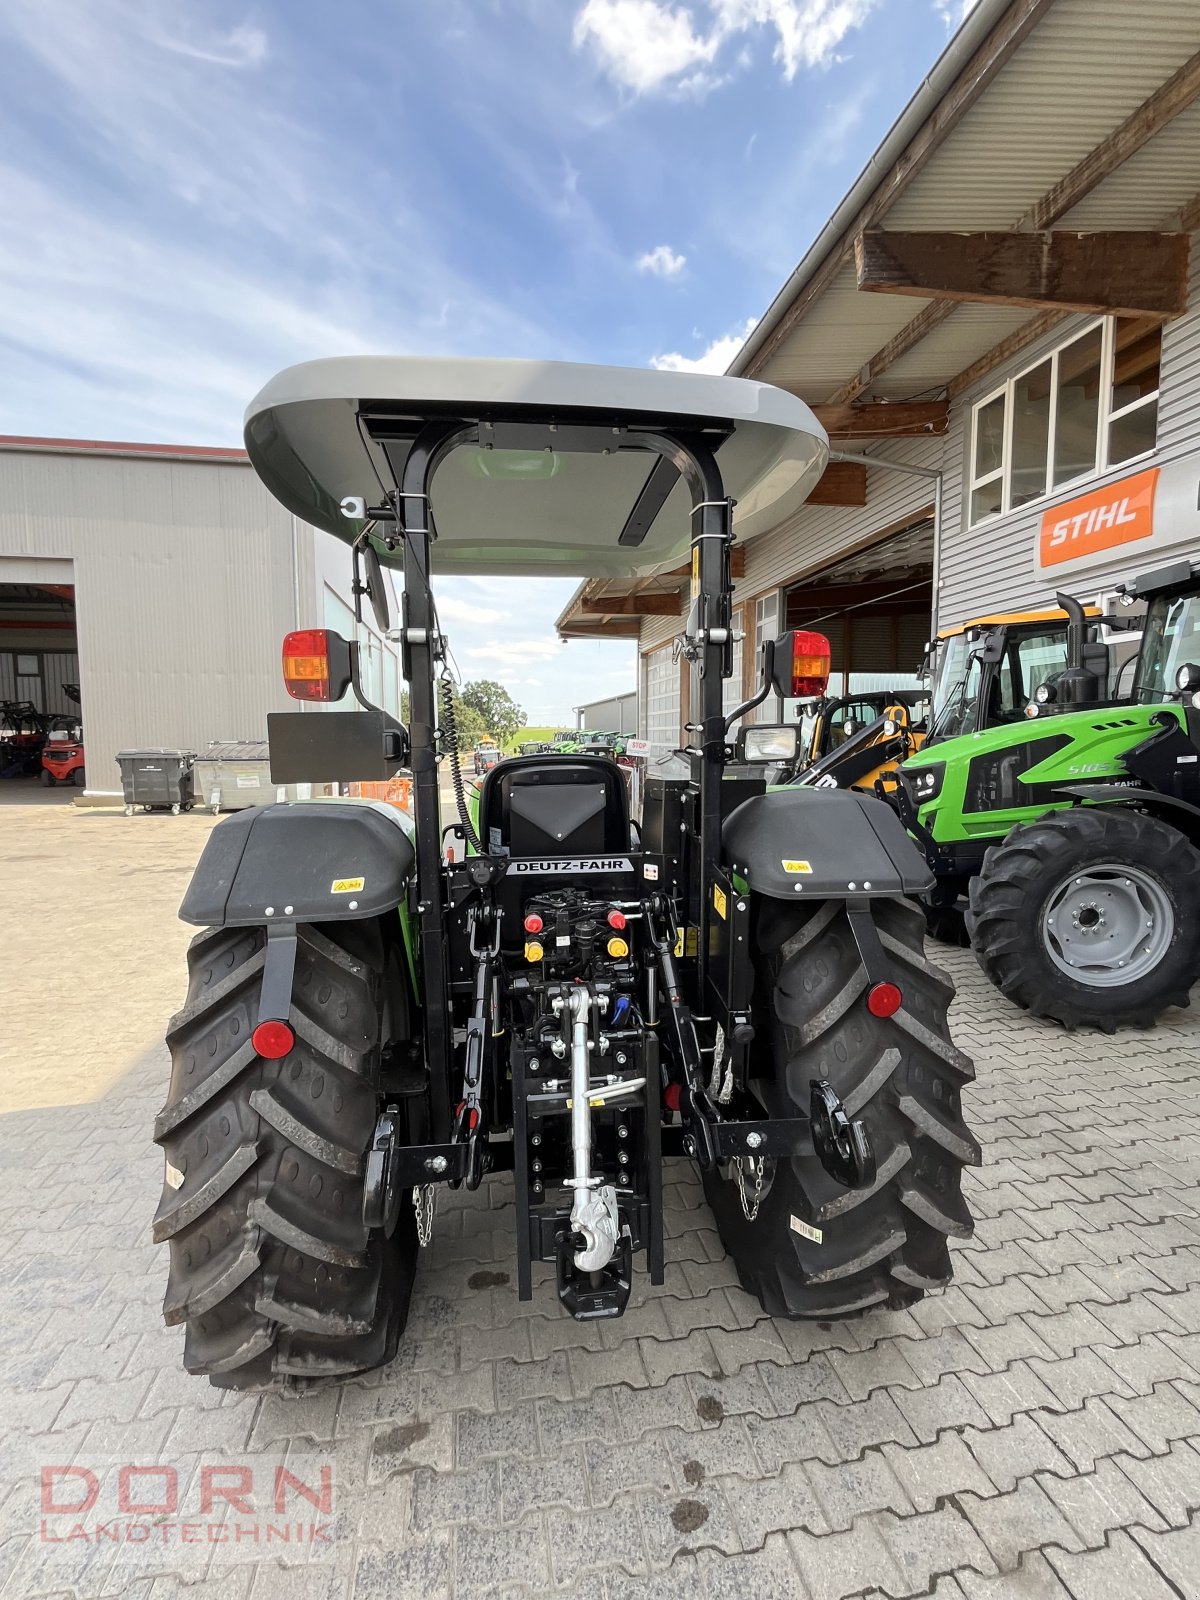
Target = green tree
(499,713)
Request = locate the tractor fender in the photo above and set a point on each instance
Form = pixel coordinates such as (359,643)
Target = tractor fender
(313,861)
(827,844)
(1168,808)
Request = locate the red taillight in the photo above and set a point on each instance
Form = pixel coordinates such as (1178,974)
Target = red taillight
(811,657)
(306,664)
(534,923)
(616,919)
(273,1040)
(884,1000)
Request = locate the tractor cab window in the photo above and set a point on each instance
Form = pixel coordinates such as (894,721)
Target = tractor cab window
(1032,658)
(847,719)
(956,678)
(1171,640)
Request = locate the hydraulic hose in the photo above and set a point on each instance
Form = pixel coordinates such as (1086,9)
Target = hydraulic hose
(450,744)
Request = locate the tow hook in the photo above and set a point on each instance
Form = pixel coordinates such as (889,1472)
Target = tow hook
(381,1187)
(843,1147)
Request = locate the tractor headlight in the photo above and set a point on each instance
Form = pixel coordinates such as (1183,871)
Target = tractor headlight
(1045,693)
(768,743)
(927,781)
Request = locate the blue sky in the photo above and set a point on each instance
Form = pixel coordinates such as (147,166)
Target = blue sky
(193,196)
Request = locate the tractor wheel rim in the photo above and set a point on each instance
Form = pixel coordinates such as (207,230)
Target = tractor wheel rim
(1108,925)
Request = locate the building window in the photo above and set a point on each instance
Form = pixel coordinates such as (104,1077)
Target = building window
(1089,405)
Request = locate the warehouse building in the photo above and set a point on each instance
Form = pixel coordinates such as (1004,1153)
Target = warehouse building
(1000,330)
(616,713)
(160,580)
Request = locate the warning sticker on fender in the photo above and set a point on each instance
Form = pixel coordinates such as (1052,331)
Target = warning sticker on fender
(797,866)
(720,904)
(806,1230)
(347,885)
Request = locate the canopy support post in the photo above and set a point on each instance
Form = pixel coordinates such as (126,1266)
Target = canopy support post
(422,647)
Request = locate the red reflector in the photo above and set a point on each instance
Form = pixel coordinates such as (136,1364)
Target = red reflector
(534,923)
(273,1040)
(616,919)
(884,1000)
(671,1096)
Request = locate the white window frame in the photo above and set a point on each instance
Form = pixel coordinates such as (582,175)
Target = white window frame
(1105,415)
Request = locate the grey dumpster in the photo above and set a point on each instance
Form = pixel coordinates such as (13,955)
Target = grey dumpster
(157,780)
(236,773)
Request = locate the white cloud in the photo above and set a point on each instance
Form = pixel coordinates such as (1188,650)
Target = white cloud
(245,46)
(715,359)
(644,44)
(453,608)
(512,653)
(662,262)
(652,45)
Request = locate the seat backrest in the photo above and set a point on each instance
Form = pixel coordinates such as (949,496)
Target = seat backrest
(554,806)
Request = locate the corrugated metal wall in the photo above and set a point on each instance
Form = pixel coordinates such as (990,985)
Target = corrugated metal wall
(992,567)
(184,586)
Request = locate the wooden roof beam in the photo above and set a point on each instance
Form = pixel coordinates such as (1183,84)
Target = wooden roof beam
(648,604)
(1119,274)
(1150,118)
(1013,28)
(881,419)
(617,628)
(843,483)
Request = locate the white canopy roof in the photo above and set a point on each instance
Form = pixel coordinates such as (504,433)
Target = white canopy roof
(313,437)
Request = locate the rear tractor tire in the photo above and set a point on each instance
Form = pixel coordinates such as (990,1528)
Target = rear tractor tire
(817,1249)
(273,1273)
(1091,917)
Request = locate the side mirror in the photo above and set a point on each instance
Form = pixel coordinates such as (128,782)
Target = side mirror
(801,663)
(768,743)
(991,650)
(316,664)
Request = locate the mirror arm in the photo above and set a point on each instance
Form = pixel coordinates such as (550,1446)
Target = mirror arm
(766,684)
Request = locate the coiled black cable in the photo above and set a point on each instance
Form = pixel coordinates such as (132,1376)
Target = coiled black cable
(450,746)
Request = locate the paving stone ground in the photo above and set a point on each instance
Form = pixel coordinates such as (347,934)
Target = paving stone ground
(1033,1432)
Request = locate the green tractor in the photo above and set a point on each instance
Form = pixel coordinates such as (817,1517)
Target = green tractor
(738,982)
(1075,831)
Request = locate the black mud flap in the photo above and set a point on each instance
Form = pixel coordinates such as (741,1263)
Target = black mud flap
(317,861)
(822,844)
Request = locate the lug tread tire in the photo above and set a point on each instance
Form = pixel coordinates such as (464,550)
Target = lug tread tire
(1008,894)
(902,1075)
(272,1272)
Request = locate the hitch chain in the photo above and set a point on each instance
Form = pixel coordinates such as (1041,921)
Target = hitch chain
(758,1167)
(424,1197)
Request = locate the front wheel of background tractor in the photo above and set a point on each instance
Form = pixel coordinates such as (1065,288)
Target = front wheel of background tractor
(1091,917)
(817,1249)
(272,1271)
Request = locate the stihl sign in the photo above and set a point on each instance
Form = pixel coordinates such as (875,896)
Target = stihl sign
(1106,519)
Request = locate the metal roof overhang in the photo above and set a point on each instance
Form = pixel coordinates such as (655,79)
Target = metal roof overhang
(1065,114)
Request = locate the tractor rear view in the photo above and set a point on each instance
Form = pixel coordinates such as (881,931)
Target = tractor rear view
(739,982)
(1076,831)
